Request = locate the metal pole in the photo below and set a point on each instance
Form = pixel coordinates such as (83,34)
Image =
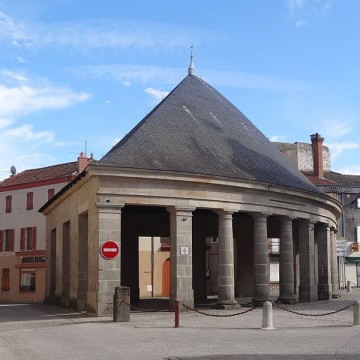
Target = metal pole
(177,313)
(152,266)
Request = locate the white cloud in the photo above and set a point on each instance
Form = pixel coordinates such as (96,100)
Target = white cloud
(335,127)
(158,95)
(350,170)
(337,149)
(103,33)
(146,74)
(18,98)
(25,132)
(21,97)
(302,12)
(277,138)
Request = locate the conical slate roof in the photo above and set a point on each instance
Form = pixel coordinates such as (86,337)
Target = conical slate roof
(196,130)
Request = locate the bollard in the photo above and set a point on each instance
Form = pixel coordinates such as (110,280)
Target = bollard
(356,313)
(177,313)
(267,319)
(121,304)
(348,286)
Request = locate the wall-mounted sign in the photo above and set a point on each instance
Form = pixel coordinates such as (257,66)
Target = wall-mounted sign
(184,250)
(109,250)
(32,259)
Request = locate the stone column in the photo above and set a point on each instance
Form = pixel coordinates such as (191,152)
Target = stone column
(109,217)
(334,265)
(307,289)
(226,286)
(324,263)
(261,260)
(287,295)
(181,287)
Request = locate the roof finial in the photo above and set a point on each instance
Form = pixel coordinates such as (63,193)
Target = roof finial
(191,69)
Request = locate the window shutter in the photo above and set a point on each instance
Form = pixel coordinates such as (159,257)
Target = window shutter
(22,239)
(33,243)
(29,200)
(12,236)
(1,240)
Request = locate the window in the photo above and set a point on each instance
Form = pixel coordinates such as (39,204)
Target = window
(27,280)
(28,238)
(51,193)
(5,281)
(7,240)
(8,203)
(274,246)
(29,201)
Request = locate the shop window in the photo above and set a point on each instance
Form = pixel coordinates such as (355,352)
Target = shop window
(51,193)
(27,280)
(29,201)
(7,240)
(5,281)
(8,203)
(28,238)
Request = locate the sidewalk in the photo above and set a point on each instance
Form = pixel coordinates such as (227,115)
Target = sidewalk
(48,332)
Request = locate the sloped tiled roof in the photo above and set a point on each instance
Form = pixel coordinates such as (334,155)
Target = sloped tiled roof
(196,130)
(319,181)
(32,176)
(343,179)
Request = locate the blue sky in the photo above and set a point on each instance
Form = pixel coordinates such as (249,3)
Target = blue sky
(79,74)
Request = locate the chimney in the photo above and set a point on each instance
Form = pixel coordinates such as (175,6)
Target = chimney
(82,162)
(317,152)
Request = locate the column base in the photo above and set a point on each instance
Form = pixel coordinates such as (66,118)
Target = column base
(324,292)
(307,293)
(227,306)
(287,300)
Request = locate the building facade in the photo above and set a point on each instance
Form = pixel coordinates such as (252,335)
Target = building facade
(313,159)
(23,229)
(197,172)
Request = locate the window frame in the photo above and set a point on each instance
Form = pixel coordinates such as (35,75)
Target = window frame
(32,286)
(5,280)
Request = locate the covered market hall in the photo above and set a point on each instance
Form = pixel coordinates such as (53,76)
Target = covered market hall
(192,196)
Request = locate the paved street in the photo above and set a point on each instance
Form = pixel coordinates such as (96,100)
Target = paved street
(48,332)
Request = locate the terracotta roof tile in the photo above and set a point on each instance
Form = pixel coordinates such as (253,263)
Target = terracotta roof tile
(41,174)
(319,181)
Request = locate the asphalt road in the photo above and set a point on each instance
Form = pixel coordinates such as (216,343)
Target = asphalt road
(48,332)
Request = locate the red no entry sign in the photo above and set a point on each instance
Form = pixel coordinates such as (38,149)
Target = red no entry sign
(109,249)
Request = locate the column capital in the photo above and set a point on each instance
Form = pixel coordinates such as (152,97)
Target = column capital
(259,215)
(224,211)
(109,207)
(286,217)
(180,210)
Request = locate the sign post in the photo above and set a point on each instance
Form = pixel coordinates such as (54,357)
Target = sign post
(109,250)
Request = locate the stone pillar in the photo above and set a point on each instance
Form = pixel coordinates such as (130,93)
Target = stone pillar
(307,289)
(287,295)
(324,263)
(226,285)
(181,287)
(334,265)
(261,260)
(109,217)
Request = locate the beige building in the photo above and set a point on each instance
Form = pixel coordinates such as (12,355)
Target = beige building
(196,171)
(23,228)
